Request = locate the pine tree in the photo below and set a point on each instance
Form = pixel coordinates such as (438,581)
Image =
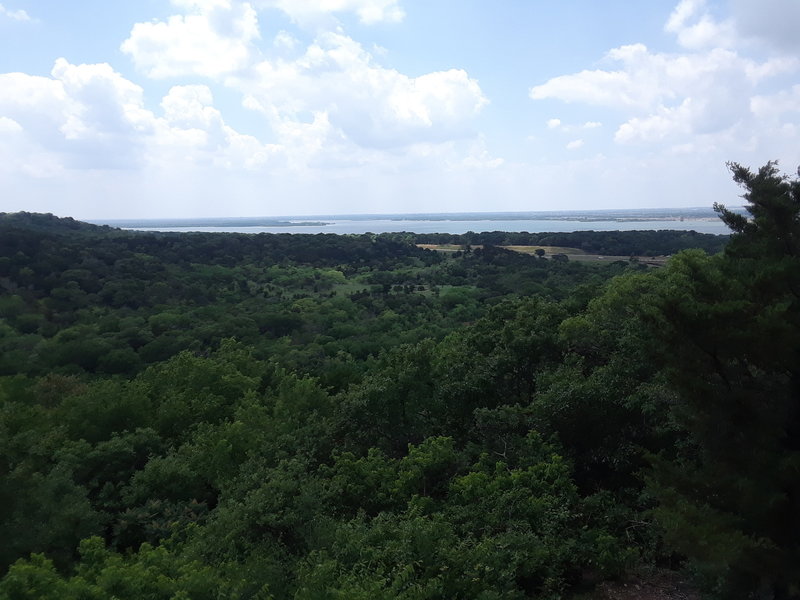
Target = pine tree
(729,327)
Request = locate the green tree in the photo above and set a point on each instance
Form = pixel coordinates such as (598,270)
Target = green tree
(156,573)
(729,329)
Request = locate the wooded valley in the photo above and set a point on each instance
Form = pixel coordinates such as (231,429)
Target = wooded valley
(282,416)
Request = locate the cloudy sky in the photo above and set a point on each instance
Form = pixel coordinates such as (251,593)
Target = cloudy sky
(169,108)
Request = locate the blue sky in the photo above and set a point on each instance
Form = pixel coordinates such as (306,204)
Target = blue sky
(169,108)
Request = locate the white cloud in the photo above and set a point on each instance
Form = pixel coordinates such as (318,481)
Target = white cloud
(313,12)
(668,122)
(189,106)
(285,42)
(774,106)
(695,28)
(332,90)
(193,132)
(331,113)
(14,15)
(9,125)
(685,10)
(101,104)
(90,117)
(366,103)
(646,80)
(570,128)
(669,96)
(574,144)
(215,39)
(88,123)
(778,115)
(708,102)
(604,88)
(770,23)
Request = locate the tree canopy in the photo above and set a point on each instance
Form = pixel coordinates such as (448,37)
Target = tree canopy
(225,415)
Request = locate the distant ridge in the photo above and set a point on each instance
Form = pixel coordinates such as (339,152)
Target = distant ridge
(49,223)
(212,222)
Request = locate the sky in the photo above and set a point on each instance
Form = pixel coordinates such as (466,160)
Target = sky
(201,108)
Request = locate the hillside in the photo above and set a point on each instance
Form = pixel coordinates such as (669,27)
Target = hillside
(255,416)
(47,223)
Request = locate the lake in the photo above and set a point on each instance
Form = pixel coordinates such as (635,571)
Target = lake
(698,219)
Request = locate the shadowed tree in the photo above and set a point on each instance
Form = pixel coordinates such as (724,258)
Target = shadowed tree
(729,327)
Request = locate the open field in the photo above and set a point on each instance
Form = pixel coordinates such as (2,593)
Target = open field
(443,247)
(571,253)
(521,249)
(651,261)
(548,250)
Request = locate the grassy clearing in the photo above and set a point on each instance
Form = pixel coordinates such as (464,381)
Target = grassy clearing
(521,249)
(443,247)
(572,253)
(650,261)
(547,250)
(350,287)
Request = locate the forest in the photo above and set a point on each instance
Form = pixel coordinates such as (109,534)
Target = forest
(343,417)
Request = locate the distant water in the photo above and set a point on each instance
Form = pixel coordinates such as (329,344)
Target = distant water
(702,220)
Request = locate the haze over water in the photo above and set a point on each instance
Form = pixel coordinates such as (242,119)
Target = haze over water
(702,220)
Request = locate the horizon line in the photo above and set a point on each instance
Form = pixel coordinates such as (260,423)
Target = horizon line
(484,214)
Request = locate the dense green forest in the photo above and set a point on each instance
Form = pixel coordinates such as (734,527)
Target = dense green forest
(208,416)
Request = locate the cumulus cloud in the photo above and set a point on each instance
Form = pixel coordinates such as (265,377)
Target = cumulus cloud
(371,105)
(81,113)
(14,15)
(667,96)
(553,123)
(646,80)
(771,23)
(285,41)
(91,117)
(190,106)
(101,103)
(40,116)
(331,90)
(719,95)
(8,125)
(653,128)
(695,28)
(312,12)
(193,130)
(330,111)
(775,106)
(604,88)
(215,38)
(575,144)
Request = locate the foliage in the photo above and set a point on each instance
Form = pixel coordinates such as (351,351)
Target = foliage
(257,416)
(731,326)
